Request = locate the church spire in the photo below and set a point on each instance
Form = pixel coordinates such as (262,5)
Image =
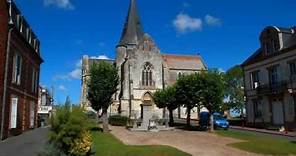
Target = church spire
(132,32)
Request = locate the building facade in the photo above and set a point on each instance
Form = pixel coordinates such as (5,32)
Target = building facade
(19,72)
(143,69)
(270,80)
(45,105)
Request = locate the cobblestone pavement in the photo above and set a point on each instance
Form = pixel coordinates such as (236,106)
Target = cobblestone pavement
(193,142)
(27,144)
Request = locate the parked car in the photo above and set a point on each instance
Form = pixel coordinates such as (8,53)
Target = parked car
(220,121)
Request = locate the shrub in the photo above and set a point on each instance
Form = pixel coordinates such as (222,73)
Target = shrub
(91,115)
(69,132)
(117,120)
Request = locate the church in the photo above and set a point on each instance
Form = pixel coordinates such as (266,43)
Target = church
(143,68)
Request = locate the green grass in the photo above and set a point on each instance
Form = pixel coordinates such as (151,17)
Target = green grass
(260,144)
(108,145)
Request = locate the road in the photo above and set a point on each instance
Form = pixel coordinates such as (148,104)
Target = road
(27,144)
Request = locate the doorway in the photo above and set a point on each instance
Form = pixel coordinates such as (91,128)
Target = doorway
(277,112)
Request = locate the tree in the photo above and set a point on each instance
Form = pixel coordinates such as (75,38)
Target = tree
(188,89)
(68,103)
(166,98)
(234,90)
(102,86)
(212,90)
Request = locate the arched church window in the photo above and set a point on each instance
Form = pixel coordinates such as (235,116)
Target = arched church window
(147,74)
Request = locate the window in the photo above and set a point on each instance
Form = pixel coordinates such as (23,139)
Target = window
(293,70)
(254,80)
(273,75)
(17,66)
(147,75)
(257,108)
(271,45)
(33,79)
(32,115)
(28,34)
(36,81)
(13,113)
(180,74)
(20,20)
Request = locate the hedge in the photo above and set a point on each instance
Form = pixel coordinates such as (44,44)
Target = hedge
(117,120)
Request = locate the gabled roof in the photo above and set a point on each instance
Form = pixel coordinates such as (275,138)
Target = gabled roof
(184,62)
(289,42)
(132,32)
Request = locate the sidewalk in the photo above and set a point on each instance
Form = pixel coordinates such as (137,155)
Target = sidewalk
(27,144)
(289,134)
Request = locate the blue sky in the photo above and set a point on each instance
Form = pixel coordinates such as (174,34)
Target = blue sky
(224,32)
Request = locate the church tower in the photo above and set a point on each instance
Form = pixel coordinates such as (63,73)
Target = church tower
(139,65)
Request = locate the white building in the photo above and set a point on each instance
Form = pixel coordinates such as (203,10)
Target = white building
(270,80)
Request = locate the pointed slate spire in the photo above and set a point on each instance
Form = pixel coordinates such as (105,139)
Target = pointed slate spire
(132,32)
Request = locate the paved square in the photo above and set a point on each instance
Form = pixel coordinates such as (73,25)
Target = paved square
(193,142)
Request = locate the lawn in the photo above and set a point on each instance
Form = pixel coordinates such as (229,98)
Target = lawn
(108,145)
(261,144)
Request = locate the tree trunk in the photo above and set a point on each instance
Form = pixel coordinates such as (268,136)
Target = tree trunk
(105,121)
(171,123)
(188,117)
(98,116)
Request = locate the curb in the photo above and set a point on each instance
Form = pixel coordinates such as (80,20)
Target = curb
(260,131)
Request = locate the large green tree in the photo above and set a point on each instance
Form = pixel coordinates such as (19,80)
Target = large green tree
(234,91)
(166,98)
(188,92)
(212,90)
(102,85)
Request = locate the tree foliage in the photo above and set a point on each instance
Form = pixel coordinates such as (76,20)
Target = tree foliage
(188,91)
(212,90)
(167,98)
(101,87)
(69,133)
(201,89)
(234,91)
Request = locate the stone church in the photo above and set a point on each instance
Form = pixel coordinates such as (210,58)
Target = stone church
(142,69)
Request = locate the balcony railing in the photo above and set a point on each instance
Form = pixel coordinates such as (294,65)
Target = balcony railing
(275,88)
(44,109)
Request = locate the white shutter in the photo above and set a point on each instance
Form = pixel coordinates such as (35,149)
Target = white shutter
(32,114)
(13,113)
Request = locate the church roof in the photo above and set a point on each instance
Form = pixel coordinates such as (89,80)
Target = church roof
(184,62)
(132,32)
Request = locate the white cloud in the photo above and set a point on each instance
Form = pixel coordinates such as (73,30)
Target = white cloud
(65,4)
(62,88)
(185,23)
(212,21)
(75,74)
(101,57)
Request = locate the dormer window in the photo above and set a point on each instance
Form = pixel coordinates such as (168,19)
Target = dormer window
(21,24)
(271,46)
(270,41)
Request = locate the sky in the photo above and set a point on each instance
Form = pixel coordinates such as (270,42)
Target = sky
(223,32)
